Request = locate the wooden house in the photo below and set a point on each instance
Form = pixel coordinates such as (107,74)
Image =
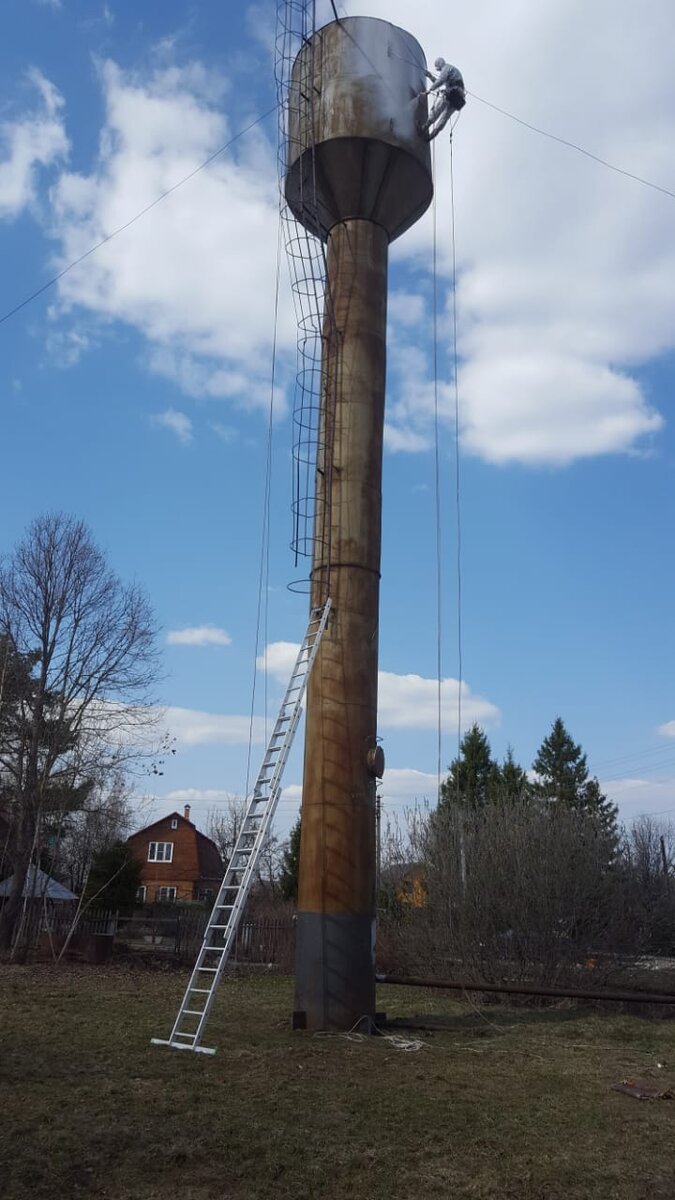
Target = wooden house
(177,861)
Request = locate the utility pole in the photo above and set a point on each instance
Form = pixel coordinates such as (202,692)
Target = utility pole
(359,175)
(664,860)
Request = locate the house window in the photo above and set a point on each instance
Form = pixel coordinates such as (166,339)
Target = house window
(160,852)
(174,822)
(166,893)
(141,894)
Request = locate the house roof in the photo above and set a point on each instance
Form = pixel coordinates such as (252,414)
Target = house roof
(39,885)
(160,821)
(210,862)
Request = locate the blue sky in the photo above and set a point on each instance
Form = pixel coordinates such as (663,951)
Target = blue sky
(136,392)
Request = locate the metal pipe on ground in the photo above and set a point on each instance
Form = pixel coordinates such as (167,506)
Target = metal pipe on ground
(526,989)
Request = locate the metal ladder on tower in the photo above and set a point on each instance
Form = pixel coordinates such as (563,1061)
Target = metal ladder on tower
(221,931)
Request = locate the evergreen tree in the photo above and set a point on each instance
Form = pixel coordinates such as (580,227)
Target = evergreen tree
(290,864)
(473,775)
(114,879)
(513,784)
(563,778)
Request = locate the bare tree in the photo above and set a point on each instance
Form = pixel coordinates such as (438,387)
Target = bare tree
(224,825)
(648,862)
(107,817)
(85,709)
(518,890)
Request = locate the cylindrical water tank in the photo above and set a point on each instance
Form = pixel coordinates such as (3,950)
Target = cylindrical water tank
(355,150)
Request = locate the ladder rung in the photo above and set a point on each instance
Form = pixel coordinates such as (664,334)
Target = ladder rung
(240,869)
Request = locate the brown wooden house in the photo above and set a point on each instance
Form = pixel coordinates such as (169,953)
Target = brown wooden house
(178,862)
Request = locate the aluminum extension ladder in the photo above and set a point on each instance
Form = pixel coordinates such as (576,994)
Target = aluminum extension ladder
(221,931)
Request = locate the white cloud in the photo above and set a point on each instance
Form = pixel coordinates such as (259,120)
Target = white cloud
(35,139)
(637,796)
(668,730)
(565,268)
(199,635)
(405,439)
(411,702)
(404,701)
(403,786)
(589,409)
(194,728)
(196,276)
(226,433)
(406,308)
(278,659)
(176,422)
(198,795)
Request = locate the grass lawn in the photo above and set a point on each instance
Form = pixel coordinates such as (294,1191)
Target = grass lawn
(517,1108)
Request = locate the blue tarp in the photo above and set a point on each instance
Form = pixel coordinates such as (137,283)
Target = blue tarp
(38,885)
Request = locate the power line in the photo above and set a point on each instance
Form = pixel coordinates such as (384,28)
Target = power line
(662,812)
(132,220)
(573,146)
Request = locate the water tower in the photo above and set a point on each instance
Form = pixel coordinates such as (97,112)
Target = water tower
(359,175)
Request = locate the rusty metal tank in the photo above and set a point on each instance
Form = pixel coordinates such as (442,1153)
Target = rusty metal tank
(354,146)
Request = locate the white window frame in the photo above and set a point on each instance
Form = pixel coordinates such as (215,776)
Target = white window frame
(174,822)
(141,893)
(169,897)
(163,856)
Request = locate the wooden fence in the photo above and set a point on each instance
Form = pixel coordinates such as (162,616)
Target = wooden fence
(264,942)
(45,926)
(177,931)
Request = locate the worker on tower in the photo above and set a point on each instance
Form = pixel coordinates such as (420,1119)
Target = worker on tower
(450,99)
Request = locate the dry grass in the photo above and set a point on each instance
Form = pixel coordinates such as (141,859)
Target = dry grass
(523,1111)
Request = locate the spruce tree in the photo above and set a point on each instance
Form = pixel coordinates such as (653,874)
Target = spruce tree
(290,865)
(514,786)
(563,778)
(472,775)
(114,879)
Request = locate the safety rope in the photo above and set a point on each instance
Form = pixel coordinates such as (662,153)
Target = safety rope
(437,471)
(437,489)
(458,490)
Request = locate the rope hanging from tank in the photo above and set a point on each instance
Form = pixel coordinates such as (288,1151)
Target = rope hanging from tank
(437,490)
(458,490)
(437,468)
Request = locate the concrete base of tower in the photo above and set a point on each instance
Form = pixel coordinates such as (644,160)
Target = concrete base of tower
(335,971)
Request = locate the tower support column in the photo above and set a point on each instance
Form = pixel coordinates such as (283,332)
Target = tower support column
(335,975)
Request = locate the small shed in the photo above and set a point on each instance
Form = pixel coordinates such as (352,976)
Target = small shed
(38,886)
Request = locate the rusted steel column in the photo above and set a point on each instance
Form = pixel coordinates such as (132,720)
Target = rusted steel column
(335,974)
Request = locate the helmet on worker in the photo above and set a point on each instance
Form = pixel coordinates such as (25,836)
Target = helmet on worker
(439,64)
